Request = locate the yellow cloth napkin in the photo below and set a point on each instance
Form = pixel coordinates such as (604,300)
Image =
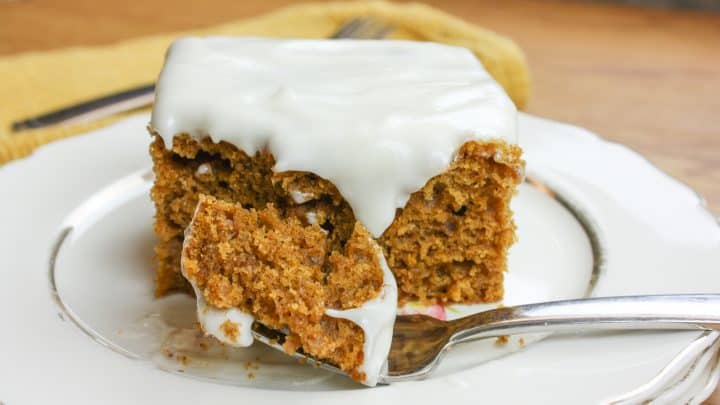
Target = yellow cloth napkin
(34,83)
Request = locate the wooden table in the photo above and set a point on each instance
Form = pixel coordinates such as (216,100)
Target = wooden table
(649,79)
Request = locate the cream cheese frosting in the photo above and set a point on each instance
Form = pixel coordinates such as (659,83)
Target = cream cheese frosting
(376,118)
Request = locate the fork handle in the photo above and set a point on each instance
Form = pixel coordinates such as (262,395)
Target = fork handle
(640,312)
(91,110)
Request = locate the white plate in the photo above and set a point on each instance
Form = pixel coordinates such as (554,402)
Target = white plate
(98,235)
(654,234)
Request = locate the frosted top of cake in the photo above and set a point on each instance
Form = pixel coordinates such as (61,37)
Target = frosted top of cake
(376,118)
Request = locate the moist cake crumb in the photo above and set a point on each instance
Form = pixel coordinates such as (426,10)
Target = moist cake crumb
(280,271)
(501,340)
(230,330)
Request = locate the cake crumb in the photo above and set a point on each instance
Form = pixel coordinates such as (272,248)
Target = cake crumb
(250,376)
(521,342)
(230,330)
(501,340)
(203,346)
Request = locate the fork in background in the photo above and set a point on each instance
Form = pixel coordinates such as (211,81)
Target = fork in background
(138,97)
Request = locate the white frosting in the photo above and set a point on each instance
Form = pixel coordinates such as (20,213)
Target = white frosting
(311,218)
(376,118)
(377,319)
(301,197)
(204,168)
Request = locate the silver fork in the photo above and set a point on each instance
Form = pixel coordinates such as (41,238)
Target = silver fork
(139,97)
(419,342)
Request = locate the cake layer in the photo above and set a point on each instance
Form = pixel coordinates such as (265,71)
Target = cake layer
(448,244)
(377,119)
(245,265)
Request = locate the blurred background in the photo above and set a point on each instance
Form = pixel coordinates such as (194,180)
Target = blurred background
(642,72)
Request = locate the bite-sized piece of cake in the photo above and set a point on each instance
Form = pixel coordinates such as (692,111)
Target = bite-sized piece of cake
(251,265)
(415,141)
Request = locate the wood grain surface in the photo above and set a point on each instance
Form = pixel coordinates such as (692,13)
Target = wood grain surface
(649,79)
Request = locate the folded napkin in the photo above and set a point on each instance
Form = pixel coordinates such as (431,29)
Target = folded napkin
(34,83)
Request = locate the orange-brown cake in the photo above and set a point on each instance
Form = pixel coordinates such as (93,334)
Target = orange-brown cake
(280,272)
(311,143)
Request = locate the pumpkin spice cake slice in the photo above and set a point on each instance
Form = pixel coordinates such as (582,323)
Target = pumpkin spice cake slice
(301,179)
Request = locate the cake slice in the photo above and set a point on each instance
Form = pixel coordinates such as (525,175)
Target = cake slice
(313,185)
(249,265)
(414,141)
